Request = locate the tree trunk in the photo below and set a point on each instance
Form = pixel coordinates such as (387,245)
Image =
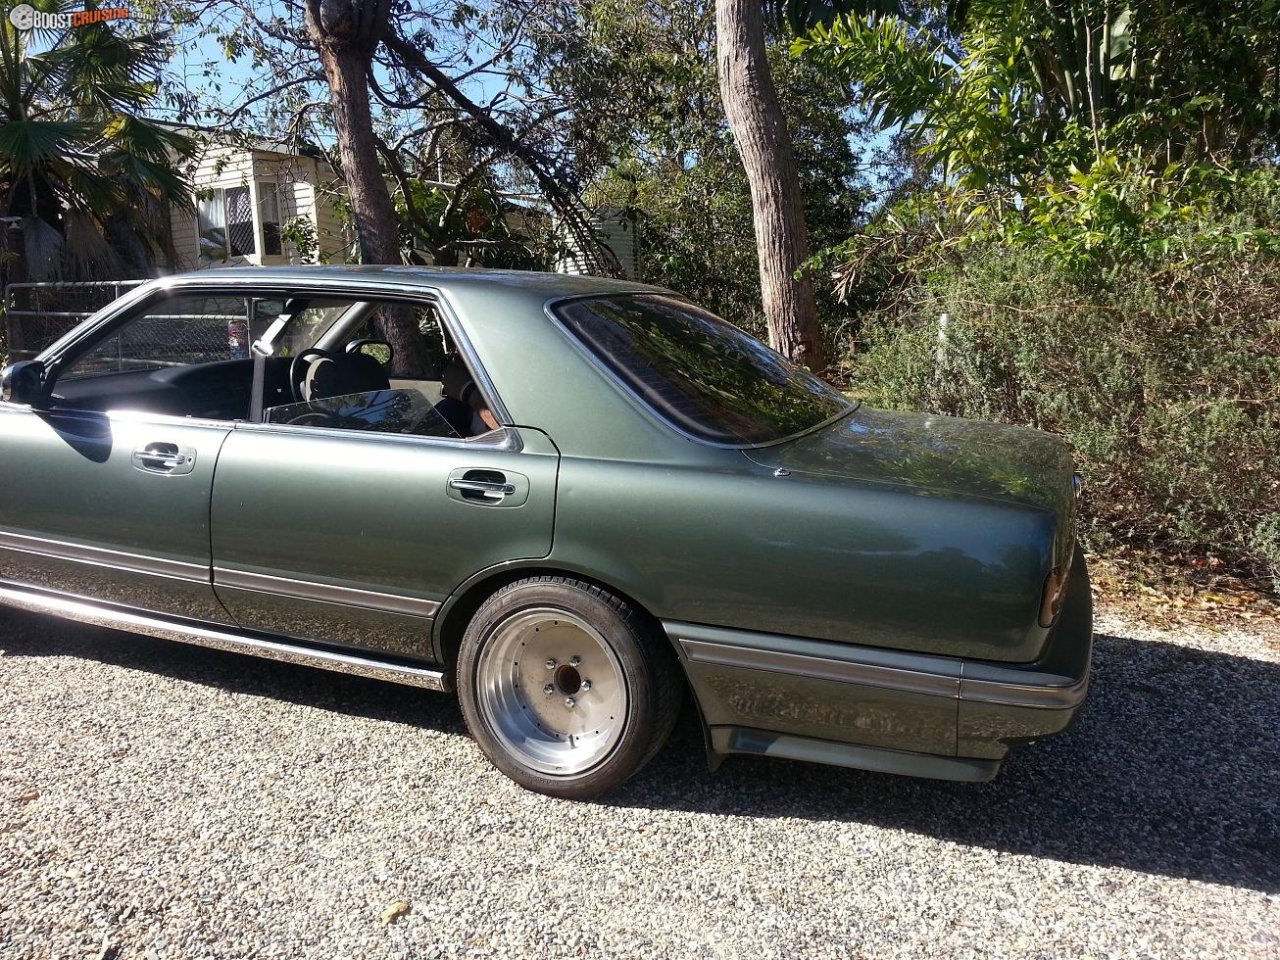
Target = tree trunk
(764,143)
(346,34)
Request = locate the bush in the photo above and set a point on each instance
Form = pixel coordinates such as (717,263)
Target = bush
(1164,375)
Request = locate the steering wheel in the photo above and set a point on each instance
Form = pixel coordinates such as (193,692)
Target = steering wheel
(298,370)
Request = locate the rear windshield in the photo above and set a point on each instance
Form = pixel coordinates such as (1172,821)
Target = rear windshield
(703,375)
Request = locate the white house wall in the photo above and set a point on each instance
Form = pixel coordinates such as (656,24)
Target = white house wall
(332,237)
(182,224)
(617,231)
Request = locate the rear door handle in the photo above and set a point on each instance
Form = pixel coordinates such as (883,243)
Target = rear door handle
(164,458)
(487,487)
(491,489)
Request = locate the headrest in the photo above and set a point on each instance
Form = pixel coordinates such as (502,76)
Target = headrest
(342,374)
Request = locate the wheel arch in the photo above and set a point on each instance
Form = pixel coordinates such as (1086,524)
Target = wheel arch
(460,607)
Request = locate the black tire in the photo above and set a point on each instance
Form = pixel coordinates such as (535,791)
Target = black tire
(586,735)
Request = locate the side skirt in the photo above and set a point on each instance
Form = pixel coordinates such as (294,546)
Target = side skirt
(221,638)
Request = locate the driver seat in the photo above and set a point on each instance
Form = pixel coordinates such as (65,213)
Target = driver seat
(343,373)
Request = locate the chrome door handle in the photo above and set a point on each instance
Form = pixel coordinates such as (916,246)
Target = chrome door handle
(492,489)
(165,458)
(487,487)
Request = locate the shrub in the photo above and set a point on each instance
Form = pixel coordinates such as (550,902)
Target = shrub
(1163,374)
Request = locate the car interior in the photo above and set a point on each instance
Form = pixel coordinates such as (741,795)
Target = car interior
(323,365)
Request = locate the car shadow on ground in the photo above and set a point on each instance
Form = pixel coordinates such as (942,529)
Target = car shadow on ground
(1173,769)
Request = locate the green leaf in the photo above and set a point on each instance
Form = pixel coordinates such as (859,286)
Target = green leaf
(27,144)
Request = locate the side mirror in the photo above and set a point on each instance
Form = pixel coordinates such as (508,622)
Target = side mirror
(23,382)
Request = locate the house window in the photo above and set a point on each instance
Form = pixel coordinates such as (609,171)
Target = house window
(226,224)
(269,210)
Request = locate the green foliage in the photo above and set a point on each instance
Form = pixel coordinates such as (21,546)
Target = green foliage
(301,233)
(1163,373)
(1111,214)
(1014,90)
(1117,211)
(448,226)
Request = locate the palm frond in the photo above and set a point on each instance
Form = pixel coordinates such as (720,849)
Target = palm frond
(103,71)
(142,138)
(76,156)
(152,176)
(83,186)
(27,144)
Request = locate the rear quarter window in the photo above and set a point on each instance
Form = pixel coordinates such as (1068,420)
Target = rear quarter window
(701,374)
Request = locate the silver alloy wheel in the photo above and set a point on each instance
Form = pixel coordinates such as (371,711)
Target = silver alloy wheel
(551,689)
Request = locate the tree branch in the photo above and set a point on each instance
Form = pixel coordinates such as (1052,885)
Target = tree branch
(565,203)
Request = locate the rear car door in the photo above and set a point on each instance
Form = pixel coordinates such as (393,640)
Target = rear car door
(343,525)
(334,536)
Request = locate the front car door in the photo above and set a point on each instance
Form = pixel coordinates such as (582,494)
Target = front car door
(107,492)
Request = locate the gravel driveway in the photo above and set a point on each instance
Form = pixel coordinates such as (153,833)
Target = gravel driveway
(168,802)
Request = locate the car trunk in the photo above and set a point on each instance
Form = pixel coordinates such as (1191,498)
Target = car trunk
(943,457)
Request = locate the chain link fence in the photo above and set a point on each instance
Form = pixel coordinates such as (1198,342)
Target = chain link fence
(190,330)
(37,314)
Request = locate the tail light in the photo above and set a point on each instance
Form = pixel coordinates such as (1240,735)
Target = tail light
(1055,590)
(1055,585)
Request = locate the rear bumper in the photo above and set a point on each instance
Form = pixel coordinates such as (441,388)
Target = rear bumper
(888,710)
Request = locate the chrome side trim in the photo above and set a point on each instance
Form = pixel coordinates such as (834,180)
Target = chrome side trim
(218,638)
(130,415)
(323,592)
(967,681)
(819,668)
(1016,692)
(102,557)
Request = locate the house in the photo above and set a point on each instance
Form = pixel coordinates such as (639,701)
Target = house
(255,203)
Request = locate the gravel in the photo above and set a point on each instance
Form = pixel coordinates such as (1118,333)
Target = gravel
(159,801)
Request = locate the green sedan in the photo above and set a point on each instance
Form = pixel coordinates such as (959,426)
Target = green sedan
(571,500)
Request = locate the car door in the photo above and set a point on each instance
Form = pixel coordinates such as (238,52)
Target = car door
(351,521)
(106,492)
(109,507)
(355,538)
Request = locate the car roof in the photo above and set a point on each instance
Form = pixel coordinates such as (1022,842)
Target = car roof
(543,286)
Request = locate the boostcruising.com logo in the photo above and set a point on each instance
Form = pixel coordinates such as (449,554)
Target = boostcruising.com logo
(26,17)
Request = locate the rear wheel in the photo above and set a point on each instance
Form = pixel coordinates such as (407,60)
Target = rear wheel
(565,687)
